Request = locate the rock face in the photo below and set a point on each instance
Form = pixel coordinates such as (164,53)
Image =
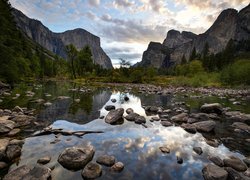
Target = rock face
(56,42)
(157,55)
(230,24)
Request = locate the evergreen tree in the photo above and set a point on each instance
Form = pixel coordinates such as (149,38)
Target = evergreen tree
(193,54)
(72,55)
(183,59)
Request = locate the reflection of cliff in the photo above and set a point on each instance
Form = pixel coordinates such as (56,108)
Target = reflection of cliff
(156,100)
(84,111)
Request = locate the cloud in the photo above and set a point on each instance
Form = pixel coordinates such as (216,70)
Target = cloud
(94,3)
(123,3)
(90,15)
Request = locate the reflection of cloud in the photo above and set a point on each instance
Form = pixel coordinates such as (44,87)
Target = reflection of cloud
(137,143)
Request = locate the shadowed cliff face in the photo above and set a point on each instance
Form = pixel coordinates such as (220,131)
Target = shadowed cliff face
(56,42)
(230,24)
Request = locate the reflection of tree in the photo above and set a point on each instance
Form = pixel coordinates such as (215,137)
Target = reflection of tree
(86,103)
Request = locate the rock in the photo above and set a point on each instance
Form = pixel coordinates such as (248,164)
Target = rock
(247,162)
(205,126)
(76,158)
(238,116)
(17,109)
(23,120)
(3,146)
(216,160)
(117,167)
(3,165)
(47,104)
(153,109)
(213,172)
(166,123)
(180,117)
(212,108)
(39,172)
(18,174)
(114,116)
(6,94)
(106,160)
(155,119)
(113,100)
(235,163)
(131,116)
(189,128)
(129,111)
(63,97)
(179,160)
(4,118)
(92,171)
(241,126)
(198,150)
(13,151)
(213,143)
(14,132)
(247,173)
(164,149)
(234,175)
(109,107)
(77,100)
(16,142)
(44,160)
(140,120)
(126,98)
(6,126)
(39,101)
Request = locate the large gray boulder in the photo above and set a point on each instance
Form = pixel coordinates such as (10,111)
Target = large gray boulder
(212,108)
(213,172)
(114,116)
(205,126)
(75,158)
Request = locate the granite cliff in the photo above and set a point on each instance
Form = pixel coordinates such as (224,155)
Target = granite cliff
(56,42)
(230,24)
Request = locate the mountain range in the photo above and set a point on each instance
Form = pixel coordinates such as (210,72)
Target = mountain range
(56,42)
(230,24)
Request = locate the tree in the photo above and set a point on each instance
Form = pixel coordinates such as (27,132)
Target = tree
(193,54)
(72,55)
(183,59)
(124,64)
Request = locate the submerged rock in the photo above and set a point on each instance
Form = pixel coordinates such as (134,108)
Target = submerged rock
(106,160)
(76,158)
(109,107)
(216,160)
(117,167)
(212,108)
(213,172)
(205,126)
(114,116)
(44,160)
(198,150)
(92,171)
(235,163)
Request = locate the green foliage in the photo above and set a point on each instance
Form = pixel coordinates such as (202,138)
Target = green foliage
(189,69)
(236,73)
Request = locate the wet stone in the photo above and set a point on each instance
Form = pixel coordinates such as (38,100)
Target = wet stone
(106,160)
(164,149)
(109,107)
(113,100)
(131,116)
(92,171)
(213,172)
(75,158)
(114,116)
(44,160)
(129,110)
(235,163)
(198,150)
(166,123)
(117,167)
(216,160)
(140,120)
(180,117)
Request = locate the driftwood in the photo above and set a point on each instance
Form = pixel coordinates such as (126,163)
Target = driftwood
(48,131)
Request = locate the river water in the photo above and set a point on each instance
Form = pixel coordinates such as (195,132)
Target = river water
(133,144)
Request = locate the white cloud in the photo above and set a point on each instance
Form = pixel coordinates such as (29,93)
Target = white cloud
(94,3)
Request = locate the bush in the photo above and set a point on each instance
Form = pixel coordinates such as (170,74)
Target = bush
(236,73)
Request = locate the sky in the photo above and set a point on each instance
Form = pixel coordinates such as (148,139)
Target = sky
(127,26)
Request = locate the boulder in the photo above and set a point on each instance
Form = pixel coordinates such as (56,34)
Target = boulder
(180,117)
(75,158)
(235,175)
(166,123)
(92,171)
(205,126)
(3,146)
(189,128)
(109,107)
(39,172)
(129,110)
(17,109)
(198,150)
(13,151)
(117,167)
(23,120)
(241,126)
(216,160)
(6,126)
(18,173)
(213,172)
(212,108)
(44,160)
(114,116)
(106,160)
(235,163)
(14,132)
(140,120)
(131,116)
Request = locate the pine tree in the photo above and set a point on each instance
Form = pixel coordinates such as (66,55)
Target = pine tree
(193,54)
